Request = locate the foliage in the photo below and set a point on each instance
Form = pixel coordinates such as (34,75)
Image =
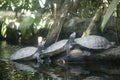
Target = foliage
(109,12)
(27,17)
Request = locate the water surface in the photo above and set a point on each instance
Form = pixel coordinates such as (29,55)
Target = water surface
(73,71)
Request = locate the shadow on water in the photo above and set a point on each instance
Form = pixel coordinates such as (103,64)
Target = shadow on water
(72,71)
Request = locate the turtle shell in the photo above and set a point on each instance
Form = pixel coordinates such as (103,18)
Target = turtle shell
(26,53)
(94,42)
(55,48)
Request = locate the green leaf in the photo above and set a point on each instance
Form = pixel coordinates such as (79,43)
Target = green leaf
(25,25)
(36,22)
(42,3)
(3,30)
(109,12)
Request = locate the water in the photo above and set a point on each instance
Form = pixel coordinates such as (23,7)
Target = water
(73,71)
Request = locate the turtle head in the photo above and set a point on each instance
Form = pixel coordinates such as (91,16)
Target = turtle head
(41,43)
(112,44)
(72,37)
(41,40)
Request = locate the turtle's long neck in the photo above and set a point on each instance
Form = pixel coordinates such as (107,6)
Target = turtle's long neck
(40,44)
(70,42)
(71,39)
(40,48)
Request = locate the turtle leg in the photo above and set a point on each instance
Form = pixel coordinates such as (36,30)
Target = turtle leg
(39,60)
(37,56)
(38,53)
(86,53)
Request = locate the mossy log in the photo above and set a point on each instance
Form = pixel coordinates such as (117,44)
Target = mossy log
(109,55)
(112,53)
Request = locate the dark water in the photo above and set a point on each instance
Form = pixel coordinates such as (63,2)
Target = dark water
(74,71)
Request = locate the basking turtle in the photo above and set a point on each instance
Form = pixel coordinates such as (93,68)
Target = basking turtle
(55,48)
(94,42)
(59,46)
(27,53)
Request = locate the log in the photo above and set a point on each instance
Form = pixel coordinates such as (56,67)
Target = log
(111,55)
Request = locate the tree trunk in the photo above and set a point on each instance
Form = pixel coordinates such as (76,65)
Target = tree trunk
(54,32)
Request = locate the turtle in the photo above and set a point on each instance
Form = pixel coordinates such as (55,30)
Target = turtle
(94,42)
(55,48)
(59,46)
(85,44)
(27,53)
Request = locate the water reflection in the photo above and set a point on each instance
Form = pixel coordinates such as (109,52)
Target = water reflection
(34,71)
(26,67)
(31,70)
(63,72)
(70,71)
